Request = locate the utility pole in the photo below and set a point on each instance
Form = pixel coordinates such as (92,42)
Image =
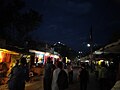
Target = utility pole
(91,43)
(91,47)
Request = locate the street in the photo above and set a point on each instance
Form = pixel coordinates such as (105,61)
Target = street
(93,84)
(38,83)
(35,86)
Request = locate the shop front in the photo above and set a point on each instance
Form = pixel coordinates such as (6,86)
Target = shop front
(37,60)
(40,59)
(7,61)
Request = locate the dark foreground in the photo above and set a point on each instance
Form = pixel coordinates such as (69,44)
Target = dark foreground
(38,83)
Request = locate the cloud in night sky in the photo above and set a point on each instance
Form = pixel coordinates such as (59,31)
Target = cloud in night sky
(69,21)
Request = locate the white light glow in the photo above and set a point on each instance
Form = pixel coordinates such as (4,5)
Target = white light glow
(87,61)
(101,60)
(98,52)
(37,52)
(47,54)
(55,56)
(88,45)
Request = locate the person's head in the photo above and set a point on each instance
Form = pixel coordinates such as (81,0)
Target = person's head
(102,64)
(51,62)
(23,61)
(83,65)
(60,65)
(17,62)
(48,60)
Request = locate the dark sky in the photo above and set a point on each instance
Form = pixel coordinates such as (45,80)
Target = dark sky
(69,21)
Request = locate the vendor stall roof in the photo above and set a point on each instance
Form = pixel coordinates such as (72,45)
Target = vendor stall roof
(111,48)
(8,51)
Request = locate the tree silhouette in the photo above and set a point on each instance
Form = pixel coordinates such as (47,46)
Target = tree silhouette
(16,21)
(27,22)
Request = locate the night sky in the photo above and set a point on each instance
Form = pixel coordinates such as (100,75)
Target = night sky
(70,21)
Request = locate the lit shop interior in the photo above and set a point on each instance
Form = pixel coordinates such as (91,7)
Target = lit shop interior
(7,61)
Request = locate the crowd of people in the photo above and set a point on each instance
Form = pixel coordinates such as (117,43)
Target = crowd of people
(105,75)
(59,76)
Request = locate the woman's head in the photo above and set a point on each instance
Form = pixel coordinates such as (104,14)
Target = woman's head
(23,61)
(103,64)
(60,65)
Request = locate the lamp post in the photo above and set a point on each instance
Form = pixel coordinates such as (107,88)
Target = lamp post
(80,53)
(91,48)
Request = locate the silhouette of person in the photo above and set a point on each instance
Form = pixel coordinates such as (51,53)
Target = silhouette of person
(83,77)
(103,76)
(117,83)
(48,74)
(70,72)
(62,85)
(19,74)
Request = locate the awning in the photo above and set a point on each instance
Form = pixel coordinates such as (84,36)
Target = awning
(110,48)
(8,51)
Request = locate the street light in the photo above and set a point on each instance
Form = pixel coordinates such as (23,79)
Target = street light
(88,45)
(80,52)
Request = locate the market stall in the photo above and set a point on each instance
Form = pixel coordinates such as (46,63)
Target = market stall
(7,61)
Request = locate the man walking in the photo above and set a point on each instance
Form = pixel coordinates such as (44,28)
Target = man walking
(83,77)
